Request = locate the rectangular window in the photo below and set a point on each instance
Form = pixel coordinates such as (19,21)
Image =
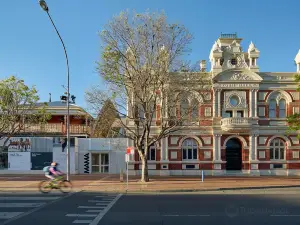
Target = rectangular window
(190,154)
(207,112)
(152,154)
(190,166)
(277,166)
(228,114)
(276,153)
(282,113)
(295,110)
(272,113)
(195,153)
(295,154)
(271,154)
(240,114)
(184,154)
(281,153)
(261,111)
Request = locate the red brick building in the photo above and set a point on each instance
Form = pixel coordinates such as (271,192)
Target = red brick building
(241,127)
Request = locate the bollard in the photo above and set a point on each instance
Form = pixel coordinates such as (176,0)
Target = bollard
(202,175)
(121,176)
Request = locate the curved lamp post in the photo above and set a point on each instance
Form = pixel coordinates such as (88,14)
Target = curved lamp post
(44,6)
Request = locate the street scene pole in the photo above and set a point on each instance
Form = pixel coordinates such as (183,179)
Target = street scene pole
(44,6)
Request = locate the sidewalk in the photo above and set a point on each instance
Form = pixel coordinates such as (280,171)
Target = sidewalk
(111,183)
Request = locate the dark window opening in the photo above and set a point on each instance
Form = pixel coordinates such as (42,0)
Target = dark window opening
(228,113)
(233,61)
(190,166)
(240,113)
(277,166)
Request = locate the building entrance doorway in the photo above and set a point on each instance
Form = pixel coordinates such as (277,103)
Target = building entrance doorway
(233,154)
(100,162)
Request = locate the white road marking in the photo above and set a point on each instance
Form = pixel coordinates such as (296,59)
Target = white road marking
(20,204)
(284,215)
(8,215)
(28,198)
(38,208)
(185,215)
(106,196)
(83,221)
(95,201)
(101,214)
(90,207)
(81,215)
(103,204)
(93,211)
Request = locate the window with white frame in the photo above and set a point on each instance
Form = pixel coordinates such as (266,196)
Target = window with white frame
(277,149)
(189,149)
(207,112)
(152,153)
(282,108)
(272,108)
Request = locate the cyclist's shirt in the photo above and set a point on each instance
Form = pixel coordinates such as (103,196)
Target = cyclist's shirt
(52,170)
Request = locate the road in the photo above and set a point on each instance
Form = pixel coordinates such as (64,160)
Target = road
(156,209)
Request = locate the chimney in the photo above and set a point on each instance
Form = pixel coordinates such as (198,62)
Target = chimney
(49,97)
(203,66)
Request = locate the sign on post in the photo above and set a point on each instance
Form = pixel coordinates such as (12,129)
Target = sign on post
(129,151)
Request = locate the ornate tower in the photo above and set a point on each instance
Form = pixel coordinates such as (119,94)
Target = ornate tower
(227,53)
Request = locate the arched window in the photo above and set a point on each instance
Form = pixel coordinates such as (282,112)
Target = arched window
(194,109)
(272,108)
(282,108)
(184,108)
(277,149)
(189,150)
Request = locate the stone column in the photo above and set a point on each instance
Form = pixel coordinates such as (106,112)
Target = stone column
(215,147)
(251,147)
(250,103)
(219,103)
(255,103)
(219,147)
(255,146)
(215,99)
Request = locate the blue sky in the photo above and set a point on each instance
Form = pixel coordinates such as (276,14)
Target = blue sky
(31,50)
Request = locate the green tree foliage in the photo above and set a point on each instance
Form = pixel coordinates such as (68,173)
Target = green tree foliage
(19,107)
(294,120)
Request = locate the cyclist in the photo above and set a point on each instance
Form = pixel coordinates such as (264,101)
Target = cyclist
(51,171)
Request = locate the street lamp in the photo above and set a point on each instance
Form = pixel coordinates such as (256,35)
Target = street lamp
(44,6)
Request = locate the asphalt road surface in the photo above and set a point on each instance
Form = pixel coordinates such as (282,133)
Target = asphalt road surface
(156,209)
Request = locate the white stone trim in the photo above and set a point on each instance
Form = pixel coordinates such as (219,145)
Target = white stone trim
(286,95)
(279,136)
(238,137)
(200,144)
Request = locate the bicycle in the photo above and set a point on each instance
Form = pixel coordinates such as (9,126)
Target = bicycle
(60,183)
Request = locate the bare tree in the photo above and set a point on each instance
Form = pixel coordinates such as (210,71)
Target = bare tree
(19,108)
(147,79)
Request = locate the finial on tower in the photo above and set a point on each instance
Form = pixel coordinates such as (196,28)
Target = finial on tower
(297,61)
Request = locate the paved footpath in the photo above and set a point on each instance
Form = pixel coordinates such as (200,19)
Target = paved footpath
(155,209)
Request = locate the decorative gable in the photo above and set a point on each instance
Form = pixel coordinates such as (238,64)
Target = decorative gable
(237,75)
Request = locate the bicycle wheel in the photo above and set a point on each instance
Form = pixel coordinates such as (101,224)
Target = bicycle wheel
(65,186)
(45,187)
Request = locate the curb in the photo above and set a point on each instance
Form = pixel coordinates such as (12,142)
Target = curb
(197,190)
